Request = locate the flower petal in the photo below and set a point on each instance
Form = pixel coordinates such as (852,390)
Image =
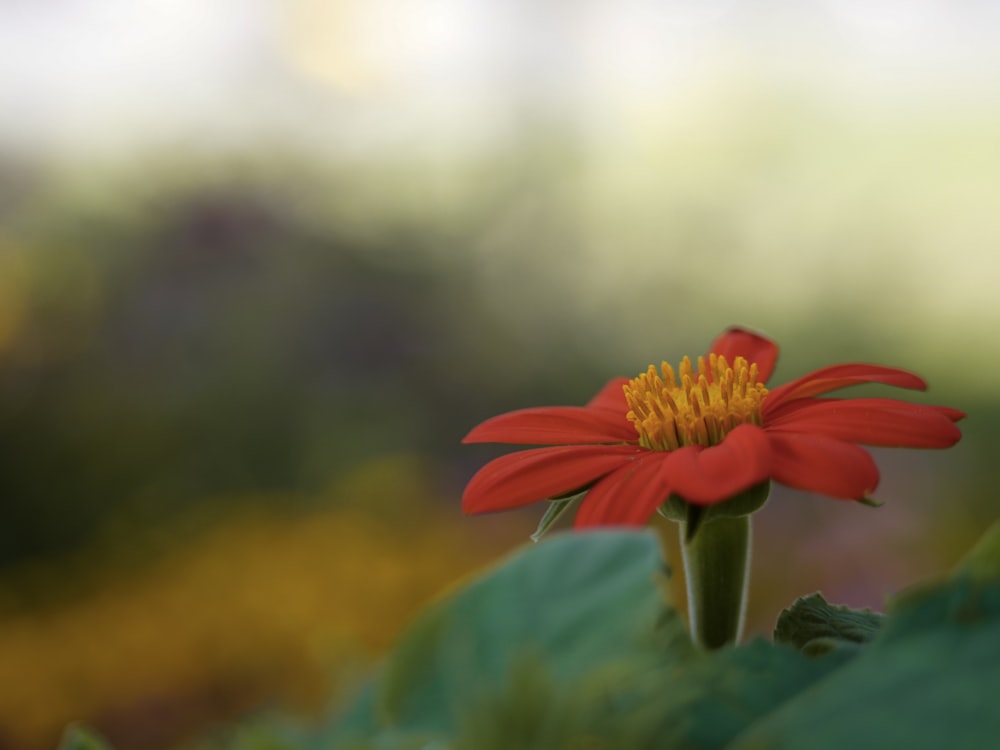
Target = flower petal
(817,463)
(628,496)
(739,342)
(954,415)
(831,378)
(555,425)
(611,396)
(704,476)
(870,421)
(529,476)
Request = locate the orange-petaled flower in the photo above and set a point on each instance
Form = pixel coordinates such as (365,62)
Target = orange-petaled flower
(705,433)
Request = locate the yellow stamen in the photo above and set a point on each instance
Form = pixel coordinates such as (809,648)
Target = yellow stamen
(695,406)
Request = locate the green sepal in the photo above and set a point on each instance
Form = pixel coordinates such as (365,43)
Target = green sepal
(553,513)
(695,516)
(871,502)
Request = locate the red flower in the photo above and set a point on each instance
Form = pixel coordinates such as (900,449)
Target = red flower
(705,434)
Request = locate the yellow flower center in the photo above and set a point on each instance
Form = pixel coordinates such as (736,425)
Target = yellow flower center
(701,409)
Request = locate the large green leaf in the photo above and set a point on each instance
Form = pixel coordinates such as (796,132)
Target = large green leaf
(572,605)
(574,602)
(929,680)
(707,702)
(571,640)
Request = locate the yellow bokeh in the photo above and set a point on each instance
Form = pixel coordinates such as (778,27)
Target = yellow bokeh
(265,608)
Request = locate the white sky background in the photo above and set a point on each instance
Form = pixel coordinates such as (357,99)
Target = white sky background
(77,74)
(901,125)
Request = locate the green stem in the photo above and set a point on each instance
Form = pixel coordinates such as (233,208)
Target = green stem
(717,567)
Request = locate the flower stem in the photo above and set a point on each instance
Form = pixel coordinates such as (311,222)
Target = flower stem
(716,568)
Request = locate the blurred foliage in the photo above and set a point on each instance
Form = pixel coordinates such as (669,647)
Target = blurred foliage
(213,339)
(216,332)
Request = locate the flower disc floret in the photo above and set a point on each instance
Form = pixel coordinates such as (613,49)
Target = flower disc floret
(694,407)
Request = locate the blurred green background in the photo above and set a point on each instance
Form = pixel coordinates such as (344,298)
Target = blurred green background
(263,264)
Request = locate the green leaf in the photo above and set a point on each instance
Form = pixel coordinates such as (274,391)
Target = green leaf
(533,712)
(573,607)
(77,737)
(928,680)
(570,641)
(709,702)
(575,601)
(983,560)
(815,626)
(567,645)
